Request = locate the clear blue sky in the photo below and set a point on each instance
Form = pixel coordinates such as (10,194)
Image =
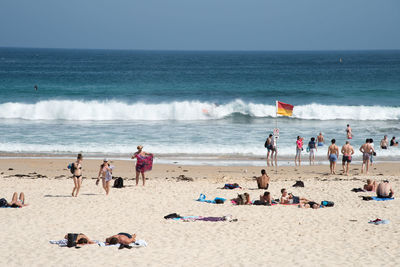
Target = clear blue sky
(201,24)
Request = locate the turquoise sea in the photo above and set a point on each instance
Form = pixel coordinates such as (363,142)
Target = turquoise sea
(191,103)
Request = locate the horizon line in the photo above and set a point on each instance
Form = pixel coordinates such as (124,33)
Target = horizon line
(199,50)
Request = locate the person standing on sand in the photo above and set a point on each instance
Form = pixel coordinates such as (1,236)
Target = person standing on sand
(144,163)
(347,151)
(312,148)
(320,139)
(77,176)
(348,131)
(106,175)
(333,154)
(367,150)
(384,142)
(299,148)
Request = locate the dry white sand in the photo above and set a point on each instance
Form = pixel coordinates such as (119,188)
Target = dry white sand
(263,235)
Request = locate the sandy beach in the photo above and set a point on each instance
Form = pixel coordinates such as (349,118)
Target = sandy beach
(263,235)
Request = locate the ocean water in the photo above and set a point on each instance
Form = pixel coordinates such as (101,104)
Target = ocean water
(193,104)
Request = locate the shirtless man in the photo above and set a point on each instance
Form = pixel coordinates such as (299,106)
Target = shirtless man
(333,154)
(385,190)
(347,151)
(82,239)
(268,145)
(121,238)
(384,142)
(367,151)
(320,139)
(263,180)
(290,199)
(348,131)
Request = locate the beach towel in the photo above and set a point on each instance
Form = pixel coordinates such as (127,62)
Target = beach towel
(206,219)
(217,200)
(63,243)
(144,163)
(382,199)
(379,221)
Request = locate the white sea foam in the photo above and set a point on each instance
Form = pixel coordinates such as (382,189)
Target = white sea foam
(182,111)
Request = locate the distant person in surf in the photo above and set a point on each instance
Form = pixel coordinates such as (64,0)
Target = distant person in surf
(393,142)
(105,173)
(144,163)
(367,150)
(348,131)
(384,142)
(35,87)
(271,146)
(299,148)
(333,154)
(312,148)
(77,175)
(347,151)
(320,139)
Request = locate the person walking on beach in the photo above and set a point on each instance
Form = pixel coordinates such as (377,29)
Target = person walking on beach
(320,139)
(348,131)
(77,174)
(299,148)
(384,142)
(333,154)
(366,150)
(105,173)
(347,151)
(144,163)
(312,148)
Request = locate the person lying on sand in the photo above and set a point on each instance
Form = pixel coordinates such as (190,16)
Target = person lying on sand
(82,239)
(370,185)
(17,202)
(121,238)
(263,180)
(385,190)
(290,199)
(242,199)
(265,199)
(310,204)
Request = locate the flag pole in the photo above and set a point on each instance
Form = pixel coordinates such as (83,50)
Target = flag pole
(276,139)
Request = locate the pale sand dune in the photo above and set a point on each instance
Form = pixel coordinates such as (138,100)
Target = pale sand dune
(263,235)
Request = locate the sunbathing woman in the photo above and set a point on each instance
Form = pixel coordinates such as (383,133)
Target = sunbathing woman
(17,202)
(144,163)
(121,238)
(310,204)
(82,239)
(106,175)
(290,199)
(370,186)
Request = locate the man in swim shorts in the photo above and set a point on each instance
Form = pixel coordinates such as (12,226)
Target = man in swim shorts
(320,139)
(333,154)
(312,149)
(347,151)
(366,150)
(384,190)
(290,198)
(384,142)
(269,144)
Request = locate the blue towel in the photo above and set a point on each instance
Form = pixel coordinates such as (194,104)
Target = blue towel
(382,199)
(202,198)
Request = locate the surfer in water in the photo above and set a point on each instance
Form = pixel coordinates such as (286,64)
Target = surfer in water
(36,87)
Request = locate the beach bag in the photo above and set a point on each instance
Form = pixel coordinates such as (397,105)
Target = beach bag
(71,167)
(327,203)
(119,183)
(71,240)
(299,184)
(3,203)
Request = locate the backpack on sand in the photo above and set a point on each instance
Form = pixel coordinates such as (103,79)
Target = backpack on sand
(119,183)
(71,167)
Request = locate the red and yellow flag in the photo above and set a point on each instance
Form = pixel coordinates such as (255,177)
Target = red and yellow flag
(284,109)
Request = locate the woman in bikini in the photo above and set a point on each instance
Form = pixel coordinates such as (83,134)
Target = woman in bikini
(106,175)
(144,163)
(77,175)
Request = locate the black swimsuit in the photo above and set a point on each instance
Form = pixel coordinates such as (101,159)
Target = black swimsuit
(126,234)
(78,176)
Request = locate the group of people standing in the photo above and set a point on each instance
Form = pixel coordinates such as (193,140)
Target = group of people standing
(367,150)
(144,163)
